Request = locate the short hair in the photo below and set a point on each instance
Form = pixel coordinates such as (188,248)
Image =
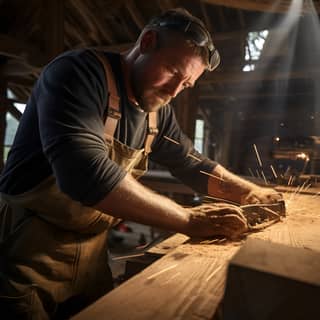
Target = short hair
(178,21)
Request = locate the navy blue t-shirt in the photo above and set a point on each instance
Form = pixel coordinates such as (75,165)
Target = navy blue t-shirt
(62,133)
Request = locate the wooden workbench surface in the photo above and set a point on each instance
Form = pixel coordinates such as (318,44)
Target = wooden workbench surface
(188,282)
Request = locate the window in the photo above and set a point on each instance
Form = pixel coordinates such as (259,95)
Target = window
(254,47)
(199,135)
(12,125)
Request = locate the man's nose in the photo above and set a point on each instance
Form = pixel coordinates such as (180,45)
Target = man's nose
(174,88)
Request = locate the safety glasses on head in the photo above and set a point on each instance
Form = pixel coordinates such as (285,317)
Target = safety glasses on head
(197,34)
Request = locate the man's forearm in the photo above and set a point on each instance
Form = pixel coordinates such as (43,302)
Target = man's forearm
(130,200)
(228,186)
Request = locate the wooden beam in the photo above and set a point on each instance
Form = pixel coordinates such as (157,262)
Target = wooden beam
(186,108)
(20,81)
(14,111)
(3,123)
(229,77)
(10,101)
(73,34)
(165,5)
(223,38)
(207,20)
(241,19)
(280,6)
(126,29)
(19,67)
(135,14)
(53,26)
(94,26)
(254,95)
(249,108)
(222,18)
(17,48)
(116,47)
(8,105)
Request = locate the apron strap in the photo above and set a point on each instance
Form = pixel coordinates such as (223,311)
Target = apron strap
(152,131)
(114,113)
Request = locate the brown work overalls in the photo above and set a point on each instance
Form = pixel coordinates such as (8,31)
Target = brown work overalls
(53,248)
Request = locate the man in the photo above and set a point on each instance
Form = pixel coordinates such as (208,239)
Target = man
(91,122)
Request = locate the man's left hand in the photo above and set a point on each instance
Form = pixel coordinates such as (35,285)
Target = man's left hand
(261,195)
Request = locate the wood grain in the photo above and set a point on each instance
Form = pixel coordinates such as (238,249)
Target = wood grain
(188,282)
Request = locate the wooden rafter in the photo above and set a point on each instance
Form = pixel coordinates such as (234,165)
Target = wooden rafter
(94,27)
(279,6)
(98,15)
(17,48)
(130,34)
(207,20)
(253,95)
(3,88)
(20,81)
(165,4)
(53,26)
(18,67)
(8,104)
(135,14)
(225,77)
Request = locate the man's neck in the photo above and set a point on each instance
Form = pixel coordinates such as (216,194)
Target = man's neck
(125,65)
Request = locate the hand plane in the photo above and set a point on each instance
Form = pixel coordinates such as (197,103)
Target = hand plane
(261,215)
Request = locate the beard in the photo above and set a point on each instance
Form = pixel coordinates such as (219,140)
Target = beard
(149,99)
(152,101)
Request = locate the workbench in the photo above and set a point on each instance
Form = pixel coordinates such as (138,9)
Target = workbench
(188,282)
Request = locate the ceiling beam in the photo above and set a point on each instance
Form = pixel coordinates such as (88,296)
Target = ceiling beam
(18,67)
(229,77)
(16,48)
(135,14)
(53,26)
(206,17)
(280,6)
(93,25)
(8,104)
(14,111)
(20,81)
(232,96)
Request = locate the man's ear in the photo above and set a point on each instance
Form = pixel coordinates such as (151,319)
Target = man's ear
(148,41)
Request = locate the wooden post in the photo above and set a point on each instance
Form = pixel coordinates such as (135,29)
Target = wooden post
(53,26)
(3,112)
(186,108)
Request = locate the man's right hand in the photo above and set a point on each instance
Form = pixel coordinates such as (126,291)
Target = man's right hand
(217,219)
(130,200)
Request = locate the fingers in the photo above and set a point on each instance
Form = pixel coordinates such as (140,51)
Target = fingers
(230,225)
(227,220)
(220,209)
(262,195)
(217,208)
(272,196)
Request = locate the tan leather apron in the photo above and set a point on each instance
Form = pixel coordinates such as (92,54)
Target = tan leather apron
(54,248)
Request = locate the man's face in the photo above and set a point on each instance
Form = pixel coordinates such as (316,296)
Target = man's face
(160,74)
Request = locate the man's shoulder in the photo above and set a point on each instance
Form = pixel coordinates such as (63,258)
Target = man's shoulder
(74,63)
(83,54)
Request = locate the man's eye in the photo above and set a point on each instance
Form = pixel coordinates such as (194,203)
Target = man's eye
(186,85)
(170,71)
(174,71)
